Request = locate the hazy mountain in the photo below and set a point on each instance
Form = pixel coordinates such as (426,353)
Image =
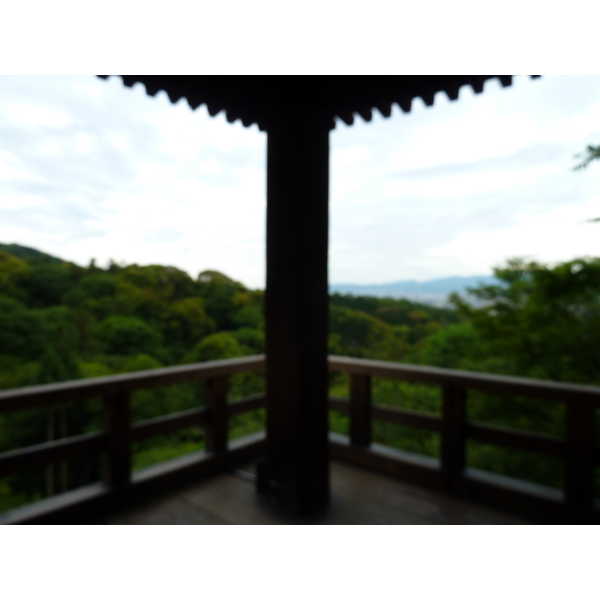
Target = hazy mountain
(29,253)
(433,291)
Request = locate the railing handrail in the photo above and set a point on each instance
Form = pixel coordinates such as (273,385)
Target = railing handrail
(119,432)
(576,448)
(26,397)
(486,382)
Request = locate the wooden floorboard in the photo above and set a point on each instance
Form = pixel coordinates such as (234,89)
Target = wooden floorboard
(358,496)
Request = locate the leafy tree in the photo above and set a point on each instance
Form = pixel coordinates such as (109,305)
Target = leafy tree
(128,300)
(98,284)
(127,336)
(591,153)
(214,347)
(451,347)
(359,334)
(13,271)
(544,322)
(167,283)
(394,311)
(46,284)
(220,297)
(57,365)
(60,328)
(185,322)
(21,330)
(248,316)
(252,341)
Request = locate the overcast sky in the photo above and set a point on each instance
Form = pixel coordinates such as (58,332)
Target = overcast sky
(91,169)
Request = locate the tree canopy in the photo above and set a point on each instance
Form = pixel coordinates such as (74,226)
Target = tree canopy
(60,321)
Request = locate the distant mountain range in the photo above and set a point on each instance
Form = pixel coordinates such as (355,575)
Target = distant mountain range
(433,291)
(29,253)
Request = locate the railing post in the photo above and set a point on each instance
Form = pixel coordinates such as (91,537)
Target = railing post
(579,455)
(453,431)
(117,424)
(216,403)
(360,410)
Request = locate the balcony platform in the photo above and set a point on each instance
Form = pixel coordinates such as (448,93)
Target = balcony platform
(358,497)
(359,493)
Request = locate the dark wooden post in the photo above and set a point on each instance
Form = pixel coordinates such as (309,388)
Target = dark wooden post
(579,458)
(216,403)
(117,424)
(296,471)
(64,465)
(49,438)
(360,410)
(453,431)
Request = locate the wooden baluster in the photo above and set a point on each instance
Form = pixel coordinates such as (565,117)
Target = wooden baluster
(216,403)
(64,465)
(117,423)
(49,438)
(579,455)
(453,431)
(360,410)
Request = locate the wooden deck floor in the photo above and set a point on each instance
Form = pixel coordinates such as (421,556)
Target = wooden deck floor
(358,497)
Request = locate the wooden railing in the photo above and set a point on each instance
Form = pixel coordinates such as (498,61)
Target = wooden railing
(120,484)
(573,504)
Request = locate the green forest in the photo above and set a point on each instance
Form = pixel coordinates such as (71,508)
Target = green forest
(60,321)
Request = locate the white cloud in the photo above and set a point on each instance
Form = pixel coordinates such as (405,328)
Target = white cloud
(547,237)
(151,181)
(92,169)
(456,188)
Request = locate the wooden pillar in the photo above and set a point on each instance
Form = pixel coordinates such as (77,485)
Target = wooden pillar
(296,471)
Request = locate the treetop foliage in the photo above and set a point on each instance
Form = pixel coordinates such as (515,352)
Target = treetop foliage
(59,321)
(544,322)
(591,153)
